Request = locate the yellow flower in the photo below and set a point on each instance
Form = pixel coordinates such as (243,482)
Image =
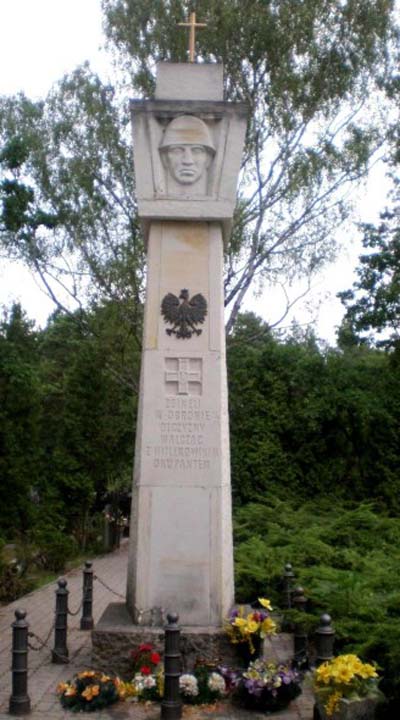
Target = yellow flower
(160,682)
(105,678)
(252,626)
(332,703)
(367,671)
(87,674)
(126,690)
(70,691)
(268,627)
(345,675)
(323,674)
(91,692)
(265,603)
(240,622)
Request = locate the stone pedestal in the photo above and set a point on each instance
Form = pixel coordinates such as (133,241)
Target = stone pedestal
(114,638)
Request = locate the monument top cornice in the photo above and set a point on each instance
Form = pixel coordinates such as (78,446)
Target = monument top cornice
(170,108)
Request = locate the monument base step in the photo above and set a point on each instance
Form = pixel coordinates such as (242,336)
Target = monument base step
(115,636)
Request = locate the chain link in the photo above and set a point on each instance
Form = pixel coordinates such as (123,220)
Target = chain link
(139,611)
(78,610)
(43,642)
(64,658)
(107,587)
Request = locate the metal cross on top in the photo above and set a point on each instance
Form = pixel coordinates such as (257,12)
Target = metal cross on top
(192,25)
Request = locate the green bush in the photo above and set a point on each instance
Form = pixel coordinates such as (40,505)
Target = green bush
(54,547)
(345,555)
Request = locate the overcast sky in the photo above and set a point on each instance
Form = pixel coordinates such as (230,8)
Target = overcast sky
(41,40)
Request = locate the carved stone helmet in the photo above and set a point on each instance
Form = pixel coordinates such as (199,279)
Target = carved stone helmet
(187,130)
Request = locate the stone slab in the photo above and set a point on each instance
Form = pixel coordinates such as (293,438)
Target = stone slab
(115,636)
(184,81)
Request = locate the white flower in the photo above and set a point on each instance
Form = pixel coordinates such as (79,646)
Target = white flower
(149,682)
(188,685)
(216,683)
(138,682)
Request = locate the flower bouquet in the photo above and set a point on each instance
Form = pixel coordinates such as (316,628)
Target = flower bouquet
(345,678)
(248,630)
(148,679)
(266,686)
(88,691)
(202,686)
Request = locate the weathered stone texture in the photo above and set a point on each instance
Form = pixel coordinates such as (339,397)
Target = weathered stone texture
(115,637)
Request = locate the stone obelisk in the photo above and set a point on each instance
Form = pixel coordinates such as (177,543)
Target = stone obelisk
(187,152)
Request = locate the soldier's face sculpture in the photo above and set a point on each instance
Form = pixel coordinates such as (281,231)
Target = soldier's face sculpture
(187,163)
(187,151)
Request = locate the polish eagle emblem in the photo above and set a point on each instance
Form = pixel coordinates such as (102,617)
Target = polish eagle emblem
(184,314)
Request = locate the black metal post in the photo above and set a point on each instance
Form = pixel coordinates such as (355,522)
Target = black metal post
(324,640)
(171,706)
(87,602)
(287,584)
(20,702)
(299,602)
(60,652)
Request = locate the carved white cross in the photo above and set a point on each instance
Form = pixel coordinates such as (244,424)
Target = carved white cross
(183,376)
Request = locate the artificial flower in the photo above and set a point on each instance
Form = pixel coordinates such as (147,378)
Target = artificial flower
(62,687)
(188,685)
(91,692)
(265,603)
(87,674)
(216,683)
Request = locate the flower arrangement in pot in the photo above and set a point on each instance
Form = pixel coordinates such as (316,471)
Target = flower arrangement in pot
(267,686)
(202,686)
(248,630)
(343,680)
(88,691)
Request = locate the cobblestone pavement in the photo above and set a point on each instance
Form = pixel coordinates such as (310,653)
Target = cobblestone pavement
(44,675)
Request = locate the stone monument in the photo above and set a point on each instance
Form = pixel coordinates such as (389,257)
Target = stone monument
(187,153)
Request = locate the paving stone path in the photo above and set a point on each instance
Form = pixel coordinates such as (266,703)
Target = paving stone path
(44,675)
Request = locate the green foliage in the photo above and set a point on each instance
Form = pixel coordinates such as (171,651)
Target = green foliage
(346,556)
(54,546)
(311,420)
(67,426)
(373,304)
(20,451)
(307,71)
(67,205)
